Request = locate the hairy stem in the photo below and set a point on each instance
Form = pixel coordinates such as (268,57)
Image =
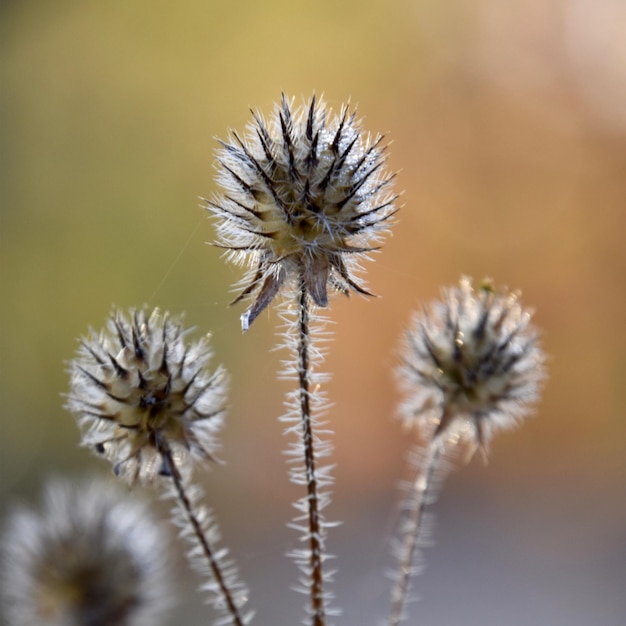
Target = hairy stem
(416,501)
(315,526)
(209,553)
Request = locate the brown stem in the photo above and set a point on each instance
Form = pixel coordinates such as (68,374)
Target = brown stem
(200,534)
(315,526)
(420,490)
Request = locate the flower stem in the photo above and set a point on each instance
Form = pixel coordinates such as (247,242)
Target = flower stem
(209,553)
(416,501)
(315,525)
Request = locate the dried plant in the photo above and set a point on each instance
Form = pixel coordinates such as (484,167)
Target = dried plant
(146,400)
(92,557)
(306,196)
(471,364)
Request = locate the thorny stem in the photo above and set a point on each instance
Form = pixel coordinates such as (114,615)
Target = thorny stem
(315,526)
(200,535)
(420,491)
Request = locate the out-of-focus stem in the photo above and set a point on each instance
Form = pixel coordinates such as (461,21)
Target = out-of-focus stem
(418,499)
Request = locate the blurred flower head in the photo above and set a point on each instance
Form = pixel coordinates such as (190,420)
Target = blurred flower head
(471,363)
(306,196)
(93,557)
(139,390)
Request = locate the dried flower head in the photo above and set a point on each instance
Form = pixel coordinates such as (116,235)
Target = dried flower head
(94,557)
(306,196)
(471,363)
(141,392)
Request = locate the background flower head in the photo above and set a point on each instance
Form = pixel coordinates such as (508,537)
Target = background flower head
(471,363)
(306,195)
(92,557)
(139,388)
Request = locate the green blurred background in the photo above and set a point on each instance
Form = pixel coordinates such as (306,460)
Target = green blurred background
(508,128)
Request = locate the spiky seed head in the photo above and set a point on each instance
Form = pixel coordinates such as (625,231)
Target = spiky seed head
(92,557)
(139,388)
(471,363)
(306,196)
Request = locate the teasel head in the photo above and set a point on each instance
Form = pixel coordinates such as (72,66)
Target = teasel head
(144,396)
(306,196)
(471,364)
(92,557)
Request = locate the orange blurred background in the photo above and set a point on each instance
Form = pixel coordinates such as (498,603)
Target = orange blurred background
(507,123)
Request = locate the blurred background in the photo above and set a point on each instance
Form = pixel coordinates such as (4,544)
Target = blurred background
(507,123)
